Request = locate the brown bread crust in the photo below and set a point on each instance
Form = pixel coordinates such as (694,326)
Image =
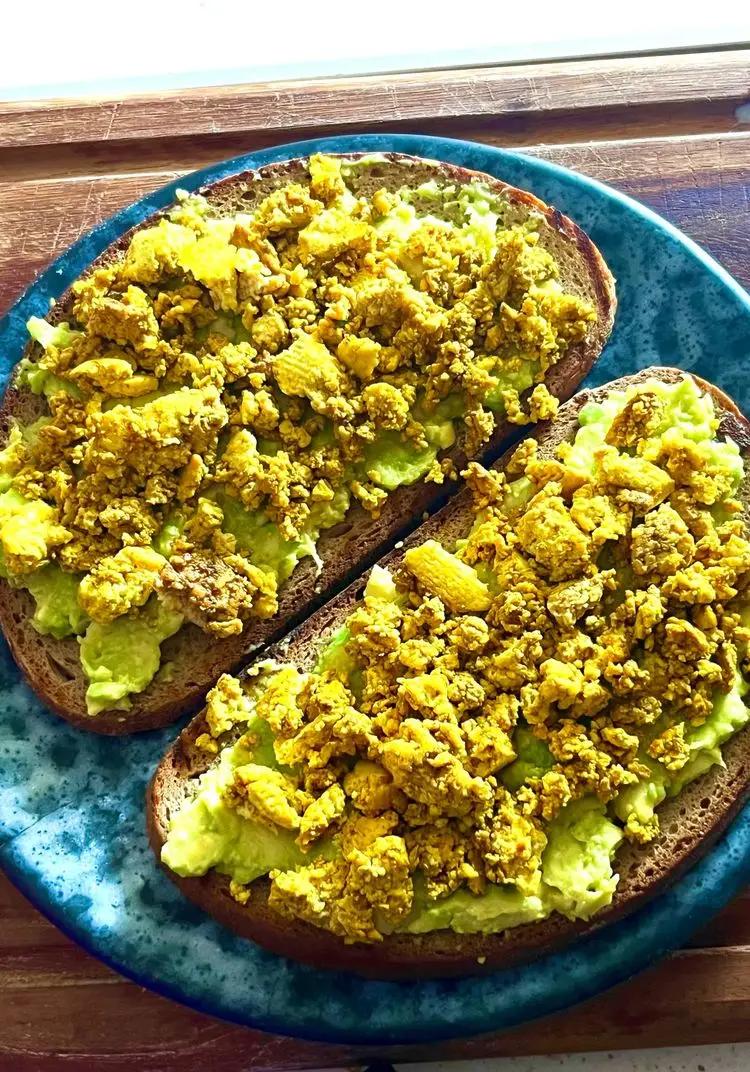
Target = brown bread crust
(52,667)
(690,823)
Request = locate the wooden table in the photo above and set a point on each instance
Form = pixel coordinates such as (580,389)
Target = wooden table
(668,130)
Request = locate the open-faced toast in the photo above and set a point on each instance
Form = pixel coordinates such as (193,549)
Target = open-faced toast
(690,822)
(53,666)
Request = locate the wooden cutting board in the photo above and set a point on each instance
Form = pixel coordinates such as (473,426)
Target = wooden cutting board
(666,129)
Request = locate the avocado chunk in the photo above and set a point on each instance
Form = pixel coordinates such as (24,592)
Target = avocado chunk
(334,658)
(533,758)
(58,612)
(391,463)
(208,833)
(577,863)
(497,909)
(123,656)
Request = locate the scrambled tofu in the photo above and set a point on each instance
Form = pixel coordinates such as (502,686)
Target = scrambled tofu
(218,594)
(592,609)
(550,536)
(259,792)
(29,533)
(367,889)
(121,582)
(447,577)
(227,705)
(260,356)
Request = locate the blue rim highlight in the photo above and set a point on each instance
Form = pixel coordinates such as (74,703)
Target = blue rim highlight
(389,1013)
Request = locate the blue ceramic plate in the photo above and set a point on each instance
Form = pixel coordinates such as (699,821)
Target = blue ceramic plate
(71,804)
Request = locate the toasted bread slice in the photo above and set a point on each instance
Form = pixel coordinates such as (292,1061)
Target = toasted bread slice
(52,667)
(689,822)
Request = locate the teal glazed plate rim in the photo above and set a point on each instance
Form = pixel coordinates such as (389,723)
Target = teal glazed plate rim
(72,829)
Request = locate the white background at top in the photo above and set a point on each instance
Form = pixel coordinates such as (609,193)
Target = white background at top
(84,47)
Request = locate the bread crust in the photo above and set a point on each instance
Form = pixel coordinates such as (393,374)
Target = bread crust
(52,667)
(690,823)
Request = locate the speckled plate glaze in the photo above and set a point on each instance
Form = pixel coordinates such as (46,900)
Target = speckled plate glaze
(71,804)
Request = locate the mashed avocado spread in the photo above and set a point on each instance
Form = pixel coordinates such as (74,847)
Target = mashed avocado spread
(495,718)
(230,384)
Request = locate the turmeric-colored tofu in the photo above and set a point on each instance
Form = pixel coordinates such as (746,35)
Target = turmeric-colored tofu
(113,376)
(155,251)
(307,369)
(360,356)
(332,233)
(128,320)
(642,484)
(446,576)
(326,180)
(213,263)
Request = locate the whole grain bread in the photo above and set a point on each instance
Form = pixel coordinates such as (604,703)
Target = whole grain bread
(690,822)
(52,667)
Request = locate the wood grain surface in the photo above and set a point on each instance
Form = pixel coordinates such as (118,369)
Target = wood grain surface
(666,129)
(525,89)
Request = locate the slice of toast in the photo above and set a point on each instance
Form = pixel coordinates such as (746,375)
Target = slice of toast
(52,667)
(689,822)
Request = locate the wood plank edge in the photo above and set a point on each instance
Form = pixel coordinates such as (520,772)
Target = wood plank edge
(324,103)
